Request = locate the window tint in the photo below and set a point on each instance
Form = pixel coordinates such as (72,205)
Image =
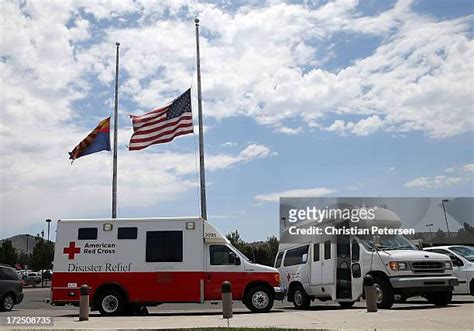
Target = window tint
(295,256)
(355,251)
(127,233)
(221,255)
(87,234)
(8,274)
(316,252)
(327,250)
(278,259)
(164,246)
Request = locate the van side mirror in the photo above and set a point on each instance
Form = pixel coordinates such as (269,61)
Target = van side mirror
(304,258)
(457,262)
(237,260)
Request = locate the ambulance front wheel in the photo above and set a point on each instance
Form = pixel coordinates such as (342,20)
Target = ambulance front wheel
(111,303)
(259,299)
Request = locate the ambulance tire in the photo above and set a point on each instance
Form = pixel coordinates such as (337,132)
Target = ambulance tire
(300,299)
(385,295)
(259,299)
(111,302)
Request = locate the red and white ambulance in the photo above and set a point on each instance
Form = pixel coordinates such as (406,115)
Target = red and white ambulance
(130,263)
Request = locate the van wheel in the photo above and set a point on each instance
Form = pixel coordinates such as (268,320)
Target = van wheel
(471,286)
(346,304)
(383,293)
(111,303)
(8,301)
(259,299)
(439,298)
(301,299)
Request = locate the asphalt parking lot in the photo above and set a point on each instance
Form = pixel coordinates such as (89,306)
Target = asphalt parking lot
(415,313)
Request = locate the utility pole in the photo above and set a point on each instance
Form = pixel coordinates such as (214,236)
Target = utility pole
(49,223)
(445,216)
(429,227)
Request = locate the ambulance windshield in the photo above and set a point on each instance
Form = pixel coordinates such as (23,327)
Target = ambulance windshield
(386,242)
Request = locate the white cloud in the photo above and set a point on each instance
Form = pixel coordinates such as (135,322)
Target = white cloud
(367,126)
(433,182)
(311,192)
(468,167)
(229,144)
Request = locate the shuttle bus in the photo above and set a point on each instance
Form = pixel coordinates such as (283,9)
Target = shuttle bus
(332,266)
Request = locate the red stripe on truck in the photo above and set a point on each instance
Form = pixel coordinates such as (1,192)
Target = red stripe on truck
(158,286)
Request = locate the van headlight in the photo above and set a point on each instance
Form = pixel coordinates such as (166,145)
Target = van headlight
(448,265)
(397,266)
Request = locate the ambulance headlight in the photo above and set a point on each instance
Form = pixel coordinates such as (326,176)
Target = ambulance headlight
(448,265)
(398,266)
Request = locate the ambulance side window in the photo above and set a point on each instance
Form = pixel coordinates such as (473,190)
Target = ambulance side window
(87,234)
(127,233)
(221,255)
(164,246)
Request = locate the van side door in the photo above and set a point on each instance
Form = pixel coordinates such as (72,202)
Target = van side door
(316,272)
(327,265)
(223,264)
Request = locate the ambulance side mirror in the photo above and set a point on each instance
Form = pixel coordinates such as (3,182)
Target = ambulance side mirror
(304,258)
(237,260)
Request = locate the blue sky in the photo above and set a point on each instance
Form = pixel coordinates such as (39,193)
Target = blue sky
(318,99)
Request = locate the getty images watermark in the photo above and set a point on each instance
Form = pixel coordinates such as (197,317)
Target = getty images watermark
(309,221)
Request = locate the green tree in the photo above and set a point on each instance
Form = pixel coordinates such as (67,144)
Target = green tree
(43,253)
(273,244)
(23,259)
(465,234)
(8,254)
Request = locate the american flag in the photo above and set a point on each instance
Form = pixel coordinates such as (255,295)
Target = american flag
(162,125)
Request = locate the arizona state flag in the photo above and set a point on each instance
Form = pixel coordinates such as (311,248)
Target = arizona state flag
(96,141)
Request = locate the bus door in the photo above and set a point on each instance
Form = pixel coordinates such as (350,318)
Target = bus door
(343,266)
(356,270)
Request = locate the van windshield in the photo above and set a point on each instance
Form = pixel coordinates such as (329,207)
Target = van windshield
(387,242)
(464,251)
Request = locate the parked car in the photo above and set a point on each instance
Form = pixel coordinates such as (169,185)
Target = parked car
(32,278)
(462,258)
(11,288)
(47,274)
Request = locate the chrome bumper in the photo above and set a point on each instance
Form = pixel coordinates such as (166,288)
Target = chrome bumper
(421,282)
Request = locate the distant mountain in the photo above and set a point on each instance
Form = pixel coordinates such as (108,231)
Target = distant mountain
(19,242)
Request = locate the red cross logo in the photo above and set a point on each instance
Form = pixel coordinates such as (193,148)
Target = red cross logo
(71,250)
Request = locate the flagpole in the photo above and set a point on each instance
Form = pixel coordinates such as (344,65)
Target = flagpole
(201,134)
(114,171)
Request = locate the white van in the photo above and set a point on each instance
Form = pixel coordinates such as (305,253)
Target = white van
(462,258)
(132,263)
(332,267)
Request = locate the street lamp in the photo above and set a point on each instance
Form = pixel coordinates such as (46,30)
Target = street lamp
(429,227)
(49,223)
(445,217)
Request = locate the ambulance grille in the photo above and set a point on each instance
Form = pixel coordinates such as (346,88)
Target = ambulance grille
(427,266)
